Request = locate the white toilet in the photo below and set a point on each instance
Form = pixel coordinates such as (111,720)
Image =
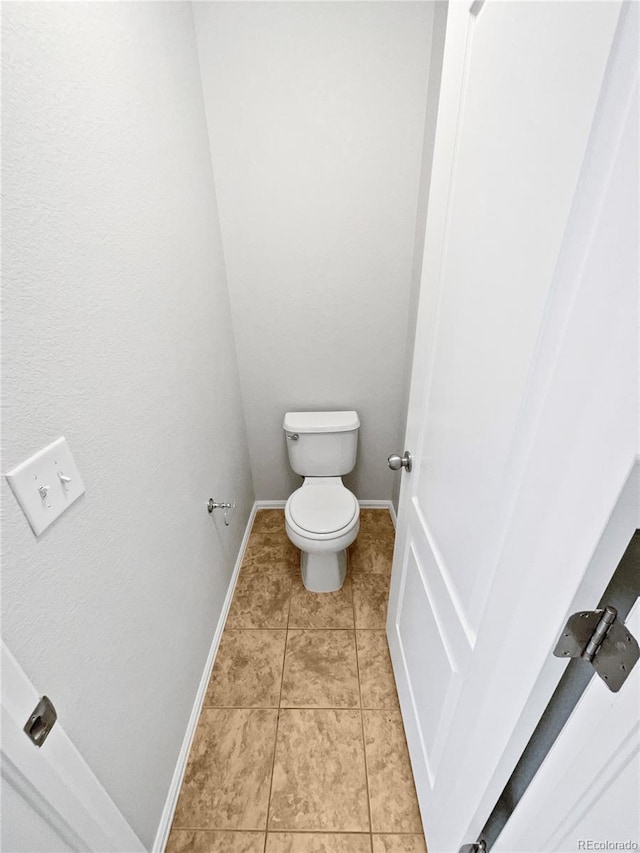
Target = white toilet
(322,517)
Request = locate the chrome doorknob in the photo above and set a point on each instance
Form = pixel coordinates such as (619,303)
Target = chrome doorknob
(398,462)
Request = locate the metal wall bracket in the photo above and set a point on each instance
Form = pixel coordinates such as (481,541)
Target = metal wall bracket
(600,638)
(225,505)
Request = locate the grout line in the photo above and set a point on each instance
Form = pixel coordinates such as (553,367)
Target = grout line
(314,628)
(299,708)
(275,745)
(218,829)
(295,831)
(364,746)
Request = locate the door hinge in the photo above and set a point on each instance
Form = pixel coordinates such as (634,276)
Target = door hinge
(478,847)
(598,637)
(41,720)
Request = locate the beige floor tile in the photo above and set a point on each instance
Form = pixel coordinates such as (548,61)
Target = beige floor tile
(377,684)
(268,521)
(317,842)
(319,774)
(320,609)
(378,520)
(269,536)
(399,844)
(371,562)
(373,549)
(207,841)
(270,551)
(366,556)
(256,569)
(392,795)
(248,670)
(320,670)
(370,596)
(261,601)
(226,784)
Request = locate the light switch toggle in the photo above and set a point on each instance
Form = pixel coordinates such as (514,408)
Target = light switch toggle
(46,484)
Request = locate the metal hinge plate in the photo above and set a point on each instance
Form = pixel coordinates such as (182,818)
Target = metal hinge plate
(478,847)
(41,721)
(598,637)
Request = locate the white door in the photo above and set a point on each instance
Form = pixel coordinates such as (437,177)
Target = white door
(523,414)
(51,801)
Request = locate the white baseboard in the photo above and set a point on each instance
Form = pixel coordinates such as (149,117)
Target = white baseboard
(162,835)
(363,504)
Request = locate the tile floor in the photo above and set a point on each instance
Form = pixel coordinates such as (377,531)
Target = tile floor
(300,746)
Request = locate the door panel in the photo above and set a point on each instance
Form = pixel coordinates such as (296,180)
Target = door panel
(523,414)
(421,627)
(521,135)
(23,829)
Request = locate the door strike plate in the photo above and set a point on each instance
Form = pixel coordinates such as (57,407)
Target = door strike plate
(41,721)
(606,643)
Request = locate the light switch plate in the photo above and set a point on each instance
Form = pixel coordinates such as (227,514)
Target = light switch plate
(46,484)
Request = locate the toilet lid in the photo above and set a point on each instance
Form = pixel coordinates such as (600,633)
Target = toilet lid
(323,508)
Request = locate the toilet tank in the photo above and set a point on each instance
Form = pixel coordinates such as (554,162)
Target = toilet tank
(326,444)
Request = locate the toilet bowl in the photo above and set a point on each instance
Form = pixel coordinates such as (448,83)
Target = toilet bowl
(322,519)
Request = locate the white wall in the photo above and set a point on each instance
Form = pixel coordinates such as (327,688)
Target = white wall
(117,334)
(316,114)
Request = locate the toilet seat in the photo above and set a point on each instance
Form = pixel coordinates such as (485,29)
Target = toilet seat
(322,508)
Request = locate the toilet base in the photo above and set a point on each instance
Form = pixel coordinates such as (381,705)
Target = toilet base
(324,572)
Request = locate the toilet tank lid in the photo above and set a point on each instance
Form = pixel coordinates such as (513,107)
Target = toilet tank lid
(321,421)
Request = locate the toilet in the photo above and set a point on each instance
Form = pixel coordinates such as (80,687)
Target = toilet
(322,517)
